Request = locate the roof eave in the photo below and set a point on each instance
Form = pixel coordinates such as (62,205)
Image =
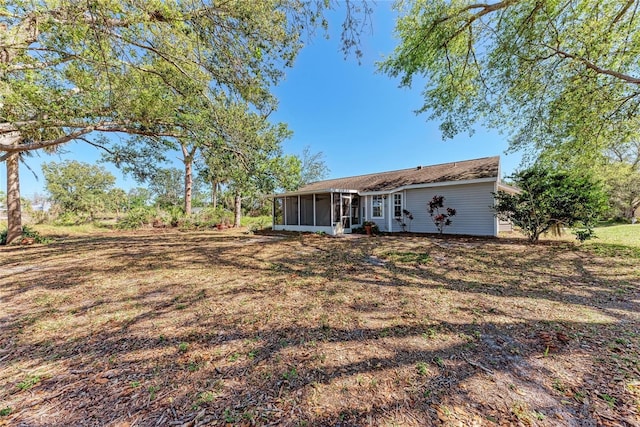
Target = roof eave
(307,192)
(427,185)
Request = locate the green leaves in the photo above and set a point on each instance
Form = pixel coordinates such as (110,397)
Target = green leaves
(551,198)
(559,76)
(79,188)
(139,64)
(191,71)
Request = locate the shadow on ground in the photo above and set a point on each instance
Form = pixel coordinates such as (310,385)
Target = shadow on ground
(205,328)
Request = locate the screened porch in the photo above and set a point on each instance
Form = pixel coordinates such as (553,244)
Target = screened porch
(334,212)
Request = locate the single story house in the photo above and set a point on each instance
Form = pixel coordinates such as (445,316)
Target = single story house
(338,206)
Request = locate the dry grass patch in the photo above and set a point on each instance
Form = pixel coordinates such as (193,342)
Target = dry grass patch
(209,328)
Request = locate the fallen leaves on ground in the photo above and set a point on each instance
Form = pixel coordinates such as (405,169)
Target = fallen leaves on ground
(160,327)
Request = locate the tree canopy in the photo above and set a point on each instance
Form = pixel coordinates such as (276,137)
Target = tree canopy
(245,155)
(166,186)
(621,174)
(68,69)
(144,68)
(313,167)
(555,75)
(155,68)
(79,188)
(552,198)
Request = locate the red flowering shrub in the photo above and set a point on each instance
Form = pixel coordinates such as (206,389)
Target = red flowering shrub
(440,219)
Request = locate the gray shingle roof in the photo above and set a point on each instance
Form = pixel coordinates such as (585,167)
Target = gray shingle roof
(487,167)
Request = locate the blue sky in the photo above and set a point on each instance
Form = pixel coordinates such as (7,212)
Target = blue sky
(359,118)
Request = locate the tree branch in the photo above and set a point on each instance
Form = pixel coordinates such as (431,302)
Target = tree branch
(39,65)
(100,146)
(594,67)
(622,12)
(486,9)
(9,144)
(30,146)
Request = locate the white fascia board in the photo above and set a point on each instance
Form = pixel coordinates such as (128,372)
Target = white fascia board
(428,185)
(375,193)
(508,188)
(304,193)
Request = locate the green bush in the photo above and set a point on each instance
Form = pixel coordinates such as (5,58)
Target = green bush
(210,217)
(206,218)
(71,218)
(187,223)
(27,233)
(552,198)
(584,233)
(40,217)
(176,213)
(136,218)
(174,217)
(258,223)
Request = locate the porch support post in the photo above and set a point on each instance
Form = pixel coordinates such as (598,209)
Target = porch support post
(390,204)
(365,210)
(284,211)
(298,210)
(314,210)
(331,209)
(349,211)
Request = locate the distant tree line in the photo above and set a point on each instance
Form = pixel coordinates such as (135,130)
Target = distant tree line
(81,192)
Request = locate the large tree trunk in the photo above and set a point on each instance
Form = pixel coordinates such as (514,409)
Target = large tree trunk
(14,209)
(188,186)
(214,194)
(237,210)
(188,178)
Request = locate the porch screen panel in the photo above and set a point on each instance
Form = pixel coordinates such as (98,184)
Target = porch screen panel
(278,214)
(355,210)
(323,210)
(336,207)
(306,210)
(346,210)
(291,207)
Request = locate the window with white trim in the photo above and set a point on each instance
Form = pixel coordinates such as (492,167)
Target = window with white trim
(377,203)
(397,205)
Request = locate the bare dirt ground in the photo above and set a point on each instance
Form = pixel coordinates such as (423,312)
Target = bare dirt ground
(161,327)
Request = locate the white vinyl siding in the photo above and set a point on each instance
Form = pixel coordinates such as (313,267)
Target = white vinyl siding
(472,203)
(368,203)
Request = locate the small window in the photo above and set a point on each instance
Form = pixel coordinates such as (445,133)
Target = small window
(397,205)
(376,207)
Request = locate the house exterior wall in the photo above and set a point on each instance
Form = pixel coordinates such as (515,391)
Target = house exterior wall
(474,215)
(472,203)
(382,223)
